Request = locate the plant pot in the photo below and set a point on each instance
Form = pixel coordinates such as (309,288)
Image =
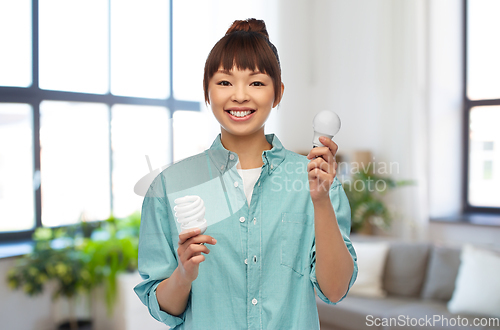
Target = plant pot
(129,312)
(77,308)
(366,228)
(82,325)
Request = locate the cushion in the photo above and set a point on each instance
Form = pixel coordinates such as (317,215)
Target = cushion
(371,262)
(441,273)
(405,268)
(477,288)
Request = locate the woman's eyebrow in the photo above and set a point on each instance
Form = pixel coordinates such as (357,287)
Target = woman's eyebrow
(224,72)
(229,73)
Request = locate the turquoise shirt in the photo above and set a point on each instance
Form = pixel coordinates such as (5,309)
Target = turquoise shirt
(261,274)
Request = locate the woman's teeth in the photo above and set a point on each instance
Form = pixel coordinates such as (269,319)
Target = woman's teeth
(240,113)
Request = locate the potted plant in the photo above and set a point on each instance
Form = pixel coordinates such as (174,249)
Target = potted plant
(78,259)
(55,257)
(364,192)
(111,250)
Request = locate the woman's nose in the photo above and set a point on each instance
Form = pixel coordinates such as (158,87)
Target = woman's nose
(240,94)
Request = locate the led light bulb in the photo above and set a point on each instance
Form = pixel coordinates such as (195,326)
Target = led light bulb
(190,213)
(325,123)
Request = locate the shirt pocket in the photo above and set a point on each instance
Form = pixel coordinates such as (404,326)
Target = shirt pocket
(295,232)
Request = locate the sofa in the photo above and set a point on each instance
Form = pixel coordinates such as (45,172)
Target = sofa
(418,285)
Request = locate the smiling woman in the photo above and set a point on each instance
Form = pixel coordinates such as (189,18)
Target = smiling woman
(242,83)
(245,47)
(240,97)
(269,249)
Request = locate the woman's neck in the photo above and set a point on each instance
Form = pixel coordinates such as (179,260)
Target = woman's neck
(249,148)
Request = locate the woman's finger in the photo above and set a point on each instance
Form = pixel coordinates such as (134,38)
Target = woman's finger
(319,163)
(196,260)
(199,239)
(322,153)
(330,144)
(193,250)
(185,235)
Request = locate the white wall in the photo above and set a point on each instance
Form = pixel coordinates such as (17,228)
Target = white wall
(365,60)
(445,89)
(445,122)
(332,52)
(18,311)
(458,234)
(392,71)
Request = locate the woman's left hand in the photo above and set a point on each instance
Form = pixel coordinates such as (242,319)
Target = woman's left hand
(322,169)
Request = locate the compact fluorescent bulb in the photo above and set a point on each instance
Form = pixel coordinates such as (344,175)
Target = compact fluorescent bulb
(190,213)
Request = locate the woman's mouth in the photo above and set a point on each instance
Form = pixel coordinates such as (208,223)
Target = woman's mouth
(240,115)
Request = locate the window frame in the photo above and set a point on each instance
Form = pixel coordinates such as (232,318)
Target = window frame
(468,104)
(33,96)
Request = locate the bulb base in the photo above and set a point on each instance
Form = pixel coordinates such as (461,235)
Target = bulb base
(195,224)
(315,141)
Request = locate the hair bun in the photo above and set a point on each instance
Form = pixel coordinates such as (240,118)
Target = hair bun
(249,25)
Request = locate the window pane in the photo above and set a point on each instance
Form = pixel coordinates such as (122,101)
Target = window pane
(74,45)
(16,168)
(193,132)
(74,139)
(483,49)
(136,132)
(191,47)
(15,41)
(484,157)
(140,48)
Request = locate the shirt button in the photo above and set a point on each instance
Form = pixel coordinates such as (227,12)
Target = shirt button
(271,166)
(222,168)
(231,156)
(246,262)
(236,184)
(255,259)
(242,219)
(254,301)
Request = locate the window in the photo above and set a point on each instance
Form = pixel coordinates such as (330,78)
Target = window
(482,106)
(90,109)
(16,167)
(86,104)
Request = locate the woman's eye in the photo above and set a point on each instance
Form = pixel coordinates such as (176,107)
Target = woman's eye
(224,83)
(257,83)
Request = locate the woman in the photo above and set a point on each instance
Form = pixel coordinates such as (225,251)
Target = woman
(279,222)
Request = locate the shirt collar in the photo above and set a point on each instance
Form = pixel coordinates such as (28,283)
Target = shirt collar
(271,158)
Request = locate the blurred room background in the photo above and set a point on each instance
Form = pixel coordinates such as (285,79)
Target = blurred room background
(97,94)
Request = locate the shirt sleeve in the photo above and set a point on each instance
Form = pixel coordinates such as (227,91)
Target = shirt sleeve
(343,213)
(157,256)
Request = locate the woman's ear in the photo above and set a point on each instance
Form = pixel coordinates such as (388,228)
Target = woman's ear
(276,102)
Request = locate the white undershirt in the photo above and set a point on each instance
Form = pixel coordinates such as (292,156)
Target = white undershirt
(250,177)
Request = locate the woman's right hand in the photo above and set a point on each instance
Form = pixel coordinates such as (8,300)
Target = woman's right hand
(189,252)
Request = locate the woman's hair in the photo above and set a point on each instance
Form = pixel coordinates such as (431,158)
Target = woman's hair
(246,45)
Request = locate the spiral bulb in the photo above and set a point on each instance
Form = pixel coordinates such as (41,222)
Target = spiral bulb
(190,213)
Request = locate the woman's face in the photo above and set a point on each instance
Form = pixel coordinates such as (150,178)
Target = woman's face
(241,100)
